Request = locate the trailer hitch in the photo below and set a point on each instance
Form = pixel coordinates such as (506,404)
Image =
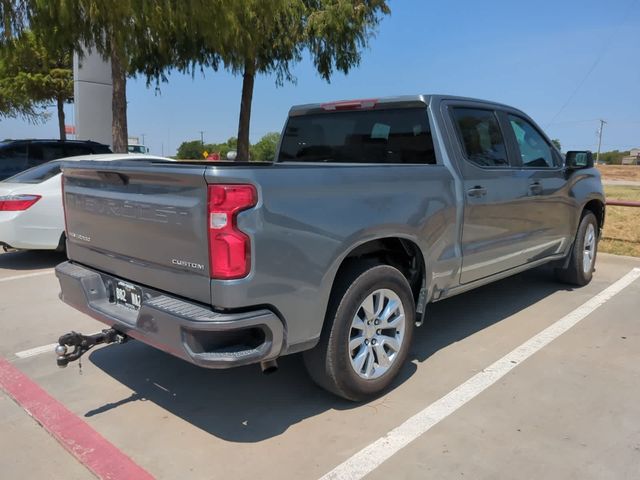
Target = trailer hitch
(83,343)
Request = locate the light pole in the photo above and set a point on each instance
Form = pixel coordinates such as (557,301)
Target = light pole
(201,138)
(143,135)
(602,124)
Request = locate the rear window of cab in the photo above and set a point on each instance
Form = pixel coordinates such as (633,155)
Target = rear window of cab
(400,135)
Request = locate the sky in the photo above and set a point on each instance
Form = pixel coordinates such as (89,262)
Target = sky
(566,63)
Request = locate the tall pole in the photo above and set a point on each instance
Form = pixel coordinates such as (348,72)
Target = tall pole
(201,137)
(143,135)
(602,124)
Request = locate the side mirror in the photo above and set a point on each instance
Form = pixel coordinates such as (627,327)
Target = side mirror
(575,160)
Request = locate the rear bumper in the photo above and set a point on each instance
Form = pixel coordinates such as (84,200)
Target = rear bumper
(184,329)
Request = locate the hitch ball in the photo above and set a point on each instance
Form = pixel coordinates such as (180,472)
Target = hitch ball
(61,350)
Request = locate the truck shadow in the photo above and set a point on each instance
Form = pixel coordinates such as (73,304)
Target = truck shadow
(30,260)
(456,318)
(243,405)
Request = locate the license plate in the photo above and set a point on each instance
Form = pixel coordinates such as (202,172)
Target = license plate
(128,295)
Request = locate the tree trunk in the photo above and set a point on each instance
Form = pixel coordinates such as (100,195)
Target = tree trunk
(60,104)
(119,130)
(248,80)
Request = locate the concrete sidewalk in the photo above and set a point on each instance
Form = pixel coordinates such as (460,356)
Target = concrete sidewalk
(29,452)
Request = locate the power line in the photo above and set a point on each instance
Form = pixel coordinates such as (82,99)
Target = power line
(571,122)
(604,49)
(590,120)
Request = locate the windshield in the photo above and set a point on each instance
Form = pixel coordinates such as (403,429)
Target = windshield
(36,174)
(137,149)
(400,135)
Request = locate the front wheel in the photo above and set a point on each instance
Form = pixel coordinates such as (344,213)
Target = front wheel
(582,263)
(368,330)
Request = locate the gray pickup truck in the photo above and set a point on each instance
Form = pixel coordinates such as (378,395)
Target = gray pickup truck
(371,210)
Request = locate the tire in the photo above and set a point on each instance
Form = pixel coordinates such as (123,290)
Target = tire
(332,364)
(582,260)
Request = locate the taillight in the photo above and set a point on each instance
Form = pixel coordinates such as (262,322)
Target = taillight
(229,247)
(16,203)
(351,104)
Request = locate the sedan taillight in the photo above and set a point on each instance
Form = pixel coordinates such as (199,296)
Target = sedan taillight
(229,247)
(16,203)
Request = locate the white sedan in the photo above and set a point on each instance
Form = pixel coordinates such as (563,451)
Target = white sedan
(31,212)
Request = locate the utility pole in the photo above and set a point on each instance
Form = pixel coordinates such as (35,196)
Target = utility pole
(602,124)
(201,138)
(143,135)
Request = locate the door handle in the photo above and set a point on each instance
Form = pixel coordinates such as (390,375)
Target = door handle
(535,188)
(477,192)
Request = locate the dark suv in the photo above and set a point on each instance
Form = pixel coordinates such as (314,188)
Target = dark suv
(19,155)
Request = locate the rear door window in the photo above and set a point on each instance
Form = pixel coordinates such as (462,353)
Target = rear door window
(400,135)
(13,159)
(481,137)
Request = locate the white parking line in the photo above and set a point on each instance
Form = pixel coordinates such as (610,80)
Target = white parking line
(32,352)
(28,275)
(372,456)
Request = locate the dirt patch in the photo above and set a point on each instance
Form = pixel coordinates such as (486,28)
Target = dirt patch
(620,172)
(622,225)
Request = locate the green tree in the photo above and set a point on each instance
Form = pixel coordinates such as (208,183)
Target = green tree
(269,37)
(557,144)
(15,103)
(613,157)
(265,149)
(190,150)
(193,149)
(38,75)
(13,14)
(223,148)
(106,26)
(136,36)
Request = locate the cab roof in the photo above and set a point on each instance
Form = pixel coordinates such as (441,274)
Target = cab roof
(401,101)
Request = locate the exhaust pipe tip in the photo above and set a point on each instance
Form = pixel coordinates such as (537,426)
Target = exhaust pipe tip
(268,367)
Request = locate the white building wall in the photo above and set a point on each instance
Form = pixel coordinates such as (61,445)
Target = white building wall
(92,89)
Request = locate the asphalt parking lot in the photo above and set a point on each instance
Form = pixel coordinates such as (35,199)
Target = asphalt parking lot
(570,409)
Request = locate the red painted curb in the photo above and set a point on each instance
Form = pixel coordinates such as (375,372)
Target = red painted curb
(74,434)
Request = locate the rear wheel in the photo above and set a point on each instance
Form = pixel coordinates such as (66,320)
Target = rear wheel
(367,333)
(582,263)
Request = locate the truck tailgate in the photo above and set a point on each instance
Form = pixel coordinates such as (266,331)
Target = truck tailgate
(143,222)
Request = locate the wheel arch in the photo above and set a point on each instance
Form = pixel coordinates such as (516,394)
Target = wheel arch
(597,207)
(399,252)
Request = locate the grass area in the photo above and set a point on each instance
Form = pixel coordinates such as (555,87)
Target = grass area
(620,172)
(623,192)
(621,234)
